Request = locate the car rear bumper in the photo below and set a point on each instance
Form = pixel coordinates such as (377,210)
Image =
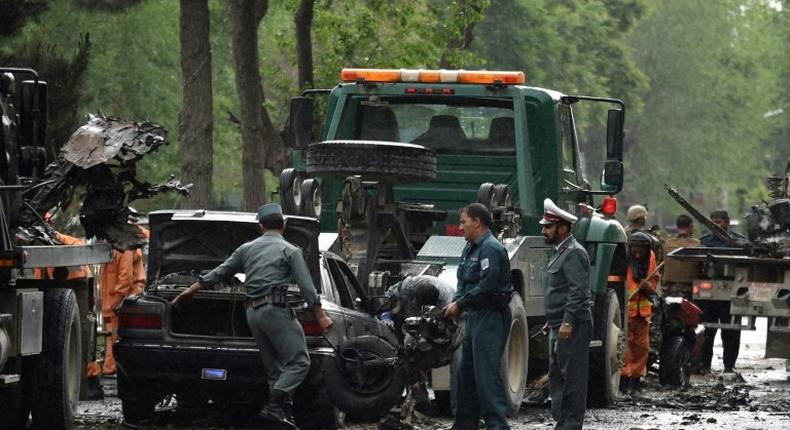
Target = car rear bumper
(167,368)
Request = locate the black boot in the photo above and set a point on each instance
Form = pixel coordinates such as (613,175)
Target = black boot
(278,409)
(94,390)
(625,384)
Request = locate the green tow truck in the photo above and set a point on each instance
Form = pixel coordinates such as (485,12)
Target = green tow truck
(400,151)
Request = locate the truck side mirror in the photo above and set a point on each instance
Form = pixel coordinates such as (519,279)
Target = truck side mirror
(301,119)
(33,113)
(614,135)
(612,177)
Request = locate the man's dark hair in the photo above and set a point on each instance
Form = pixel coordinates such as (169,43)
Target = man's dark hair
(720,214)
(478,211)
(684,221)
(272,222)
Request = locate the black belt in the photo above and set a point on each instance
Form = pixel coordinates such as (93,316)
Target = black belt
(263,300)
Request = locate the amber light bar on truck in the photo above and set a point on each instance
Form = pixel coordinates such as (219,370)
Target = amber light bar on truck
(433,76)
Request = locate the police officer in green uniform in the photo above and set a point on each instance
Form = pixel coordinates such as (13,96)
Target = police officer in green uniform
(270,263)
(482,297)
(567,300)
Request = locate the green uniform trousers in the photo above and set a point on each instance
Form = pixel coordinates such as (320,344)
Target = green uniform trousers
(480,389)
(283,348)
(568,361)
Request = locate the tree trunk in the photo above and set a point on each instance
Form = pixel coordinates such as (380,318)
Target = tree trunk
(303,21)
(195,122)
(257,131)
(464,40)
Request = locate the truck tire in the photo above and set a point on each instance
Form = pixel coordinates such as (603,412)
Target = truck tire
(515,360)
(14,404)
(290,190)
(57,371)
(604,369)
(674,360)
(373,160)
(137,404)
(485,195)
(364,393)
(312,201)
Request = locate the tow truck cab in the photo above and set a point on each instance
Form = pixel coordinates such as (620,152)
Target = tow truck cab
(496,141)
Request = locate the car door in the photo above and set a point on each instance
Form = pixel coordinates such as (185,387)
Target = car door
(353,301)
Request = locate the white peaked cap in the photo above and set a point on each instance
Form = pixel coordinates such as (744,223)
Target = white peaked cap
(553,214)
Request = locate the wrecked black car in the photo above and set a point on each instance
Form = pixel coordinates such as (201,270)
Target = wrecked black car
(203,350)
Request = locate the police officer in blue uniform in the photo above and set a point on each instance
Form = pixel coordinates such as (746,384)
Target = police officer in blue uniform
(483,297)
(569,315)
(270,264)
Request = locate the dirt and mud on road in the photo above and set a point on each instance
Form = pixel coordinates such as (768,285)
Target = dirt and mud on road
(758,397)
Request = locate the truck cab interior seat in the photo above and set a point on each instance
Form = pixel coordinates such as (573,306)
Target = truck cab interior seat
(379,123)
(502,134)
(444,132)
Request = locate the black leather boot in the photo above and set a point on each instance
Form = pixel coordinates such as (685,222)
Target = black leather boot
(625,384)
(94,389)
(278,409)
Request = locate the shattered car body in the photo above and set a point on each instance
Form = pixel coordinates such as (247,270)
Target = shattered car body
(100,157)
(203,350)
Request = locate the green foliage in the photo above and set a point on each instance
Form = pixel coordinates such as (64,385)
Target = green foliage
(15,13)
(714,69)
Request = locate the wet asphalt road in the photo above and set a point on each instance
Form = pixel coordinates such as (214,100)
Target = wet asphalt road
(758,397)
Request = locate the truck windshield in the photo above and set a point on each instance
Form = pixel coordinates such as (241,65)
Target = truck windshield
(448,125)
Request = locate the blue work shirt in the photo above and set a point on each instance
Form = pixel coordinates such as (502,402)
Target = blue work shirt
(483,271)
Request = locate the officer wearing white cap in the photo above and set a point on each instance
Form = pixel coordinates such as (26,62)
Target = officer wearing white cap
(567,301)
(270,263)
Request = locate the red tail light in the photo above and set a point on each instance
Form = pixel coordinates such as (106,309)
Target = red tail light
(311,328)
(609,206)
(453,230)
(140,321)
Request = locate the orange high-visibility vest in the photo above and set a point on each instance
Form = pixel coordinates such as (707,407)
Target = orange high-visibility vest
(640,303)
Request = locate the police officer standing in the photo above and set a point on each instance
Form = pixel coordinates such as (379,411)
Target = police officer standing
(567,300)
(270,264)
(483,296)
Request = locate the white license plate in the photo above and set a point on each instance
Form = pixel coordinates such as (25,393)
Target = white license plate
(214,374)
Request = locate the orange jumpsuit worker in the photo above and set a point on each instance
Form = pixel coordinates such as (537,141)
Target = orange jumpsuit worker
(121,277)
(641,282)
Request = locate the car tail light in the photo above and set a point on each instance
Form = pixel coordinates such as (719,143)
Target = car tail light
(146,321)
(453,230)
(609,206)
(705,285)
(312,328)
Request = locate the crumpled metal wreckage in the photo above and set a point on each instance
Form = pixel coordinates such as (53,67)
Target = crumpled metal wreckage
(99,162)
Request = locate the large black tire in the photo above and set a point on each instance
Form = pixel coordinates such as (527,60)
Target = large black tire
(364,393)
(14,399)
(58,369)
(373,160)
(485,195)
(137,402)
(515,360)
(312,199)
(674,361)
(604,370)
(290,190)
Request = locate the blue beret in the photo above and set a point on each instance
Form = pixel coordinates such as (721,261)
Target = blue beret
(269,209)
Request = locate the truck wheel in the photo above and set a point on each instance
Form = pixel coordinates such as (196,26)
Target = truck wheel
(673,363)
(15,410)
(365,392)
(137,404)
(58,369)
(290,190)
(605,361)
(373,160)
(485,195)
(312,202)
(515,360)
